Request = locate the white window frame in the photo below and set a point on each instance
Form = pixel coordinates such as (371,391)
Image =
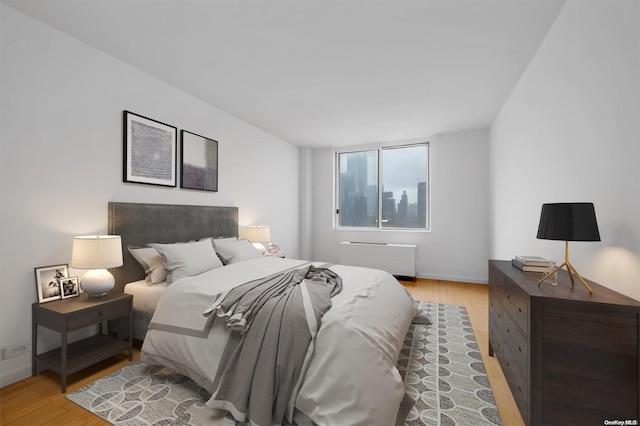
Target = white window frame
(379,148)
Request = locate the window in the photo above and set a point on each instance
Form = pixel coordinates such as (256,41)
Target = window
(383,188)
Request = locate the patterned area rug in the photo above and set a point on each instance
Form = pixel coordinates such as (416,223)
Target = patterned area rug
(440,364)
(444,371)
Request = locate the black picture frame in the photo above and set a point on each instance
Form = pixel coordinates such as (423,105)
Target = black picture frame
(48,281)
(150,151)
(199,162)
(69,287)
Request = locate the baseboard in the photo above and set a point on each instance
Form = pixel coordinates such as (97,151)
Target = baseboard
(470,280)
(15,375)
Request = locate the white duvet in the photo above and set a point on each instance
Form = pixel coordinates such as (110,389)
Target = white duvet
(351,378)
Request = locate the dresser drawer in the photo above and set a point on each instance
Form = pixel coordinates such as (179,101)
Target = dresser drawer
(495,301)
(98,313)
(518,384)
(495,285)
(516,303)
(517,344)
(495,339)
(508,335)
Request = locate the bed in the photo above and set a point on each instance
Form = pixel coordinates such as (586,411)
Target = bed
(139,224)
(349,374)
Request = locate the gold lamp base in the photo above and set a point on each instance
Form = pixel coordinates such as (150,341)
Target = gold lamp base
(570,270)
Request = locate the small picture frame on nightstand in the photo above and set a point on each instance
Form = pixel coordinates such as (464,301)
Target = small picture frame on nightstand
(69,287)
(48,281)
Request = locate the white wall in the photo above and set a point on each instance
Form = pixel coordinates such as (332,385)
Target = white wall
(306,203)
(61,161)
(570,132)
(457,246)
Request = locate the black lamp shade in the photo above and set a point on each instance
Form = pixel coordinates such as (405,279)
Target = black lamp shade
(568,222)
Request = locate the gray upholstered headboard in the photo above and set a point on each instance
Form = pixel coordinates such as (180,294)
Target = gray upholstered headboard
(140,224)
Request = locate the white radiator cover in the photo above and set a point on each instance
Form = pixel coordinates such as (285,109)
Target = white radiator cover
(397,259)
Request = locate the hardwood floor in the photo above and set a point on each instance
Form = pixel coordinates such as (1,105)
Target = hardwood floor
(38,400)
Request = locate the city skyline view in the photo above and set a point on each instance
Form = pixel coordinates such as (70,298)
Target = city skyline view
(402,193)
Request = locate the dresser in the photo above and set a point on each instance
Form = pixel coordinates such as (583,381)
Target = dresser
(569,357)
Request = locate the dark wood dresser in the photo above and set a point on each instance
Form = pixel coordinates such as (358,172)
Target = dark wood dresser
(570,358)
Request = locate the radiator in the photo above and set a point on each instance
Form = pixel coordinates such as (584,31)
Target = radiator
(397,259)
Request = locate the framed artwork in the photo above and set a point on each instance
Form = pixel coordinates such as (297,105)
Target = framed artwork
(149,151)
(69,287)
(199,162)
(48,281)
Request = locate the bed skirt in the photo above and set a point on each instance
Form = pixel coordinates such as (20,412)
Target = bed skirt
(141,319)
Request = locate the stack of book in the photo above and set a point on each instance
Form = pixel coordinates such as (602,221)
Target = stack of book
(532,263)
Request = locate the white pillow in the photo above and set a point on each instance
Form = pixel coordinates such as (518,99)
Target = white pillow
(152,263)
(187,259)
(222,240)
(237,251)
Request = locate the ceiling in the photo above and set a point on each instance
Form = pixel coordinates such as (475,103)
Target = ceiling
(323,73)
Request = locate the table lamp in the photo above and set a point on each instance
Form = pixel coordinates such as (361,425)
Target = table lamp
(256,235)
(97,253)
(568,222)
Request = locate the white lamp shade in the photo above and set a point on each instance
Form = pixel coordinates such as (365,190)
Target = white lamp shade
(256,234)
(96,252)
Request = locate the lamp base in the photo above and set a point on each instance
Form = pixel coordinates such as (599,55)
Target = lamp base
(571,271)
(97,282)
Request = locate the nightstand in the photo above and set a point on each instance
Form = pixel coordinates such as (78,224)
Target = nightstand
(67,315)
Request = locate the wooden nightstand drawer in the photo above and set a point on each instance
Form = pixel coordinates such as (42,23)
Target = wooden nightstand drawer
(97,314)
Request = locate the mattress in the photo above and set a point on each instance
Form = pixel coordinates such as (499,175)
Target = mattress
(145,297)
(145,300)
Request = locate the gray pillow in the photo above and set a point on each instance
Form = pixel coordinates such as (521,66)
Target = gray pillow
(152,263)
(187,259)
(236,251)
(222,240)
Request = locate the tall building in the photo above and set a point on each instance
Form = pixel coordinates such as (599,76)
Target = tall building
(403,211)
(354,191)
(388,208)
(372,205)
(357,168)
(422,204)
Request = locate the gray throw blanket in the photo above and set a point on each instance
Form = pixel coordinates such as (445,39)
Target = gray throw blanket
(274,321)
